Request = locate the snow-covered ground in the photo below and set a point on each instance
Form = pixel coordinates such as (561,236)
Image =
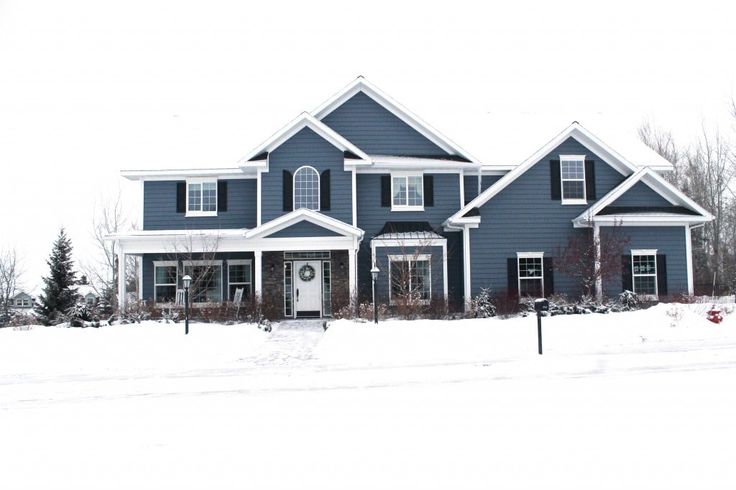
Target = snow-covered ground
(626,400)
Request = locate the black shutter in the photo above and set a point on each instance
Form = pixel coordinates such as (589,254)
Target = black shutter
(181,197)
(428,190)
(385,191)
(288,189)
(662,275)
(627,282)
(549,277)
(554,172)
(590,180)
(512,273)
(221,195)
(324,191)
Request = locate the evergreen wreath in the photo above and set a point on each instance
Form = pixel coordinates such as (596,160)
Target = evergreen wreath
(306,273)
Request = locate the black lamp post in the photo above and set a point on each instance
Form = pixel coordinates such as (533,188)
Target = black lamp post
(187,281)
(374,274)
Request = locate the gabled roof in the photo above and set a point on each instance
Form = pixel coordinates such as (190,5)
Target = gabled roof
(574,130)
(360,84)
(304,214)
(304,120)
(657,183)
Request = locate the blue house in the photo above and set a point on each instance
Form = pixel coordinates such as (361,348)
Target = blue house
(362,182)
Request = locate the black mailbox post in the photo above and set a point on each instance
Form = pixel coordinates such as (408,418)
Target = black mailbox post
(540,305)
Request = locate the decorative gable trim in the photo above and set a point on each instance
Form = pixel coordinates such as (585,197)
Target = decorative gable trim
(303,214)
(360,84)
(304,120)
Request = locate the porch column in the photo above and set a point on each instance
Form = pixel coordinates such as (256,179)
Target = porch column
(467,284)
(597,264)
(121,280)
(352,274)
(258,273)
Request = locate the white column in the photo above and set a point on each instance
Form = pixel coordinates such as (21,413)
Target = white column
(121,279)
(258,273)
(352,273)
(597,264)
(467,288)
(689,260)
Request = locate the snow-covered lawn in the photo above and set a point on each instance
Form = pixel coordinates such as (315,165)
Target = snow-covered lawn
(618,401)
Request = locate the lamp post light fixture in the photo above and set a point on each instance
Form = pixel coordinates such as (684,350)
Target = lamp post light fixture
(187,282)
(374,274)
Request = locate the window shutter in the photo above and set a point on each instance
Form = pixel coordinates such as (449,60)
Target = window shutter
(590,180)
(554,172)
(549,277)
(288,189)
(512,273)
(221,195)
(662,275)
(324,191)
(627,282)
(181,197)
(428,190)
(385,191)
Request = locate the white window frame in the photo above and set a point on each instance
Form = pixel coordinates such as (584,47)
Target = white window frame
(200,213)
(319,188)
(250,277)
(405,176)
(645,252)
(409,258)
(572,158)
(164,263)
(210,263)
(528,255)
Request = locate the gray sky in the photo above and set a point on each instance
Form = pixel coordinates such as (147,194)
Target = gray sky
(89,87)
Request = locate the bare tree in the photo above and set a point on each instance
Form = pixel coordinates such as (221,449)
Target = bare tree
(664,144)
(9,277)
(202,250)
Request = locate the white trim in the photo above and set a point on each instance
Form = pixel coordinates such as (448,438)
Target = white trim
(199,213)
(355,197)
(259,191)
(183,174)
(360,84)
(352,274)
(645,220)
(164,263)
(529,255)
(467,284)
(319,189)
(645,253)
(410,258)
(689,260)
(304,214)
(195,263)
(304,120)
(407,207)
(250,277)
(462,188)
(258,276)
(572,201)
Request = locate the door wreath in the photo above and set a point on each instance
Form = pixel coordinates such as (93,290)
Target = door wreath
(306,273)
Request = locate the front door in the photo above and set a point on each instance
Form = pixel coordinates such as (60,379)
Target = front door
(308,288)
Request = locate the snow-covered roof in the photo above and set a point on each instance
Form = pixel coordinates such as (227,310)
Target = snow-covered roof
(85,290)
(410,235)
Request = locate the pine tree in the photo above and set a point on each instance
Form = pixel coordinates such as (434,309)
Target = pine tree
(59,293)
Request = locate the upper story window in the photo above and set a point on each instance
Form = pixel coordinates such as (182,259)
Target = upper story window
(407,192)
(202,197)
(306,188)
(572,177)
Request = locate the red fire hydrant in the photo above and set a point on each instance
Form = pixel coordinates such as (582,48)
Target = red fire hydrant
(714,315)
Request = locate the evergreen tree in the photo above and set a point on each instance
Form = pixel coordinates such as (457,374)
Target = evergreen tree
(59,293)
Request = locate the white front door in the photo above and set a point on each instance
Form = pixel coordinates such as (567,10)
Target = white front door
(308,287)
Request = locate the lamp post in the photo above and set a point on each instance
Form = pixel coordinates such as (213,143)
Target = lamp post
(187,282)
(374,274)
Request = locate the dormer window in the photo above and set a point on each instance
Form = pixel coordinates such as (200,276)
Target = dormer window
(407,191)
(306,188)
(202,197)
(572,179)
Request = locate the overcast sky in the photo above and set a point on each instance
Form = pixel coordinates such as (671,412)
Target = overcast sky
(88,88)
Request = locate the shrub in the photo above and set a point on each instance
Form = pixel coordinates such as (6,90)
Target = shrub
(81,315)
(629,300)
(482,305)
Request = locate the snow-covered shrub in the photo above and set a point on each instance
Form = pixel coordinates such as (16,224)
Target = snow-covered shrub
(363,311)
(629,300)
(482,305)
(81,315)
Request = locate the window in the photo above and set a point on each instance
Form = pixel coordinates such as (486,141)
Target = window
(238,276)
(164,282)
(572,176)
(531,274)
(23,303)
(206,286)
(644,272)
(407,192)
(306,188)
(411,276)
(201,197)
(288,290)
(326,288)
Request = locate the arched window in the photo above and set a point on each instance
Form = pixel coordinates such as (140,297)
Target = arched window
(306,188)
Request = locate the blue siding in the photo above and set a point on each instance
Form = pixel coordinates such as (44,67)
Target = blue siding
(375,130)
(382,260)
(641,195)
(470,184)
(307,148)
(304,229)
(488,180)
(668,240)
(159,208)
(524,218)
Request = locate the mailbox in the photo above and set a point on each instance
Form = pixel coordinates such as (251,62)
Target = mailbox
(540,305)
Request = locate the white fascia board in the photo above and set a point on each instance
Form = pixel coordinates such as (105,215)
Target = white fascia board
(360,84)
(170,245)
(304,214)
(182,174)
(304,120)
(382,164)
(643,220)
(408,242)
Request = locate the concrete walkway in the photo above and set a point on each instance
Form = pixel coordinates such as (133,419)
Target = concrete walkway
(290,343)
